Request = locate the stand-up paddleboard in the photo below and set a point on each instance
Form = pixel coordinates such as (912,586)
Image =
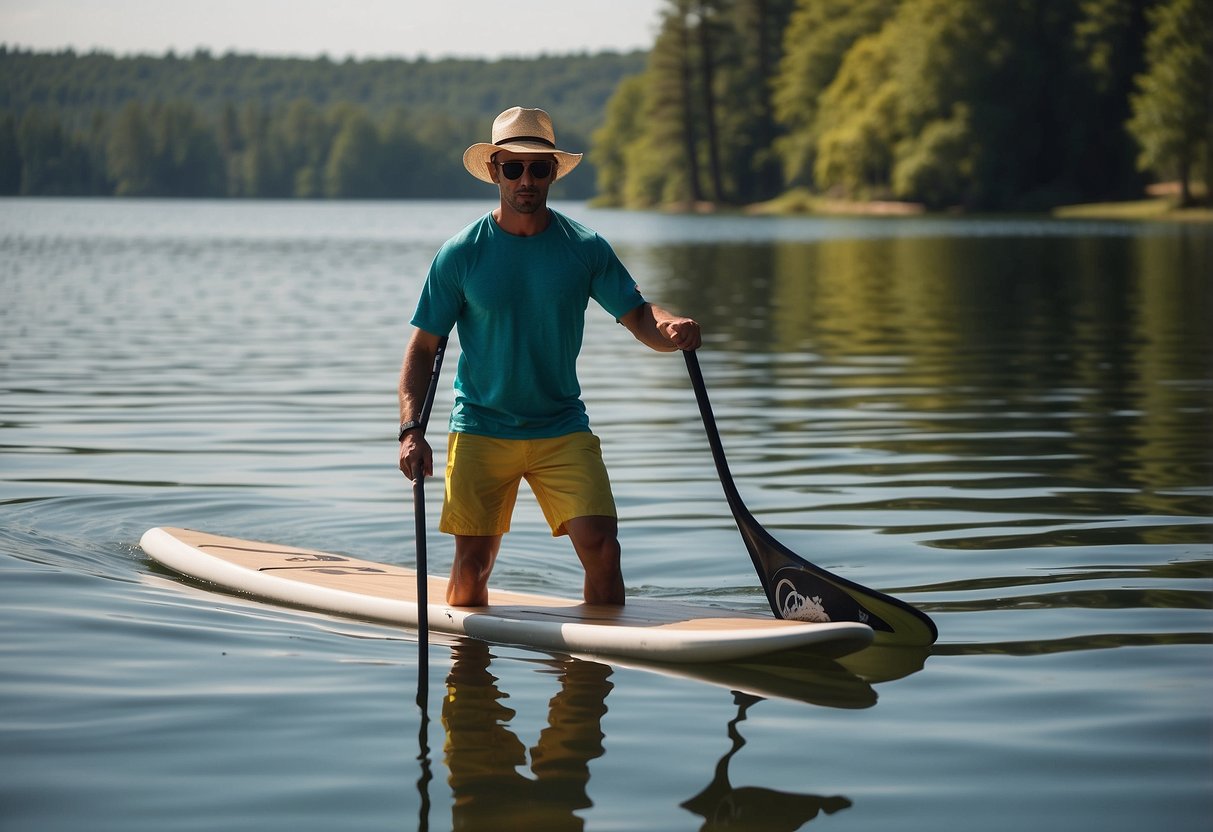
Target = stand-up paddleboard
(643,629)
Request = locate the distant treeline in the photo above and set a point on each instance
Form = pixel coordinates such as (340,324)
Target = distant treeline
(238,125)
(979,104)
(976,104)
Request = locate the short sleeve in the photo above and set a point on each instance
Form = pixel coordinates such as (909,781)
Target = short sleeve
(441,297)
(612,285)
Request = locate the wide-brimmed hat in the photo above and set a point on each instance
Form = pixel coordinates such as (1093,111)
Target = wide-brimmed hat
(519,130)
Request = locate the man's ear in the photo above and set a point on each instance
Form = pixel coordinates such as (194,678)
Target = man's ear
(493,172)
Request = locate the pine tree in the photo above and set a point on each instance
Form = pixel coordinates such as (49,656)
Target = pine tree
(1173,107)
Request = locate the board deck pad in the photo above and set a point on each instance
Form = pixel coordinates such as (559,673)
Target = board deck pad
(650,629)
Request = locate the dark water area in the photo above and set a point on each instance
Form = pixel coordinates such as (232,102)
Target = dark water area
(1003,421)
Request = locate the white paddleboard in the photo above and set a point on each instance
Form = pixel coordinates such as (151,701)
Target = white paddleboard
(649,629)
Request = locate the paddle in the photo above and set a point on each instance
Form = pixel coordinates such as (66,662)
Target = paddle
(795,588)
(423,603)
(423,624)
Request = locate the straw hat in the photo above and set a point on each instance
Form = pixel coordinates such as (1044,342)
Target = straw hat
(521,131)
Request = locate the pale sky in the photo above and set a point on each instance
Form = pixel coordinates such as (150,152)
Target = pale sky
(308,28)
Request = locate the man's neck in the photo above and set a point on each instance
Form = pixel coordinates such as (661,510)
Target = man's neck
(522,225)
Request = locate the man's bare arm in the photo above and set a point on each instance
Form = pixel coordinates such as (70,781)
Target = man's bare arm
(662,330)
(414,381)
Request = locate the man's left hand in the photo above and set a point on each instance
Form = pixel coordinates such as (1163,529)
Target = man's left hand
(683,333)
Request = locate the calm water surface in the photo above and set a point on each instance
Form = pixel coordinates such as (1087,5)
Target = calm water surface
(1006,422)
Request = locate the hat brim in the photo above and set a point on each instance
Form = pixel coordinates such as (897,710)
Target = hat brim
(477,157)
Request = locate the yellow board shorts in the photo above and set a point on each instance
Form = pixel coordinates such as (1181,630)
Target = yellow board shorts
(566,473)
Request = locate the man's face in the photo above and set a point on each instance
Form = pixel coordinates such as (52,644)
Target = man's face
(527,192)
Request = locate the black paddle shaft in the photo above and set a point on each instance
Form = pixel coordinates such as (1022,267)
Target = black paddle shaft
(423,600)
(432,389)
(796,588)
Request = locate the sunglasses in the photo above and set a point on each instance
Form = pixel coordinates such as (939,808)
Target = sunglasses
(540,169)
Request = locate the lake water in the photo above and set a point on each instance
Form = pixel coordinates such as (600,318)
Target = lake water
(1005,422)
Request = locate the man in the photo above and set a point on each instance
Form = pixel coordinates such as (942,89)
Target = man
(516,284)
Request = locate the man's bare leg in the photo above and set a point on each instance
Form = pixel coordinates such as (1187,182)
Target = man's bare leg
(596,540)
(474,559)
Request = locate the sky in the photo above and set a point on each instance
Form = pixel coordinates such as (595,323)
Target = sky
(337,28)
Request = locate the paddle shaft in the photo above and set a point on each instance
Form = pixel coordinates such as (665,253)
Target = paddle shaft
(709,424)
(746,523)
(423,601)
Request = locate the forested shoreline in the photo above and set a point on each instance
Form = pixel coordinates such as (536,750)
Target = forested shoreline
(954,104)
(986,105)
(245,126)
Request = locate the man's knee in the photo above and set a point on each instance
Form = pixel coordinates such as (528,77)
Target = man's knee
(595,535)
(474,558)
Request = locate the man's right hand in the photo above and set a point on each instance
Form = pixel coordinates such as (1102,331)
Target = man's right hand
(416,453)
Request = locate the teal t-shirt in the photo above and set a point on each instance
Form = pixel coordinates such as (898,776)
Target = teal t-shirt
(519,304)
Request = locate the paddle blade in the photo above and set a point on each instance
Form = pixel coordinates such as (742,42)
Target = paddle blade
(799,590)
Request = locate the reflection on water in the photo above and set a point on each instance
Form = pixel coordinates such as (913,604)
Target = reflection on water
(485,758)
(724,806)
(802,675)
(487,762)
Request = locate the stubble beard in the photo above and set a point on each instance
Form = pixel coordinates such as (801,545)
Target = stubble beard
(533,204)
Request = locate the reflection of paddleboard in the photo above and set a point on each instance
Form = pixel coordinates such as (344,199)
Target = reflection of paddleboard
(794,675)
(644,629)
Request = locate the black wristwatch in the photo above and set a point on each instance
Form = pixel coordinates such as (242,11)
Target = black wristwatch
(405,427)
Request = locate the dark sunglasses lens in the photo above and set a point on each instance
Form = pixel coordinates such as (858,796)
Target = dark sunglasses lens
(539,170)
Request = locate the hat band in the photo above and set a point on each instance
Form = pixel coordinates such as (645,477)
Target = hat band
(538,139)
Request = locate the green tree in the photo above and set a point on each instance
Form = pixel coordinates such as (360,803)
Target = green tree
(818,36)
(1106,53)
(1173,106)
(94,140)
(678,100)
(306,138)
(854,154)
(749,51)
(354,168)
(231,146)
(264,165)
(131,153)
(613,141)
(704,16)
(405,170)
(936,166)
(445,137)
(10,157)
(662,162)
(700,124)
(187,152)
(959,102)
(53,162)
